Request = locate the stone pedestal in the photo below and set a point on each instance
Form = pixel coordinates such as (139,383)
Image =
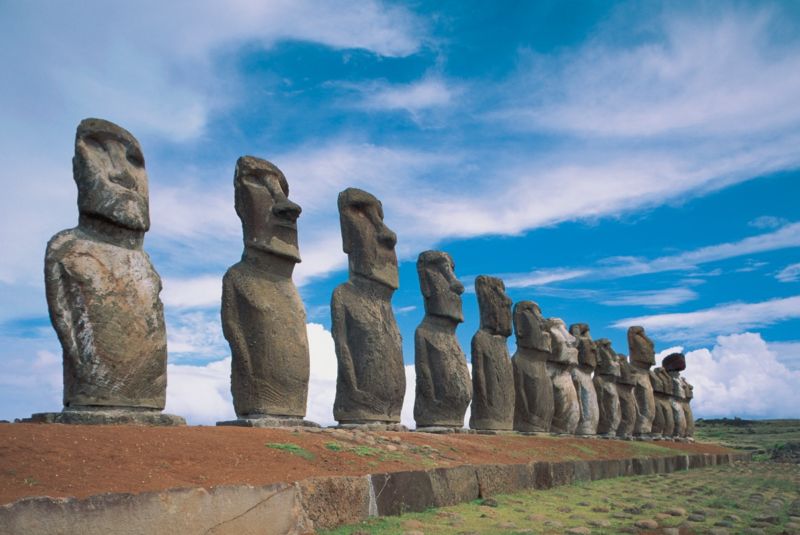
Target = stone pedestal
(106,416)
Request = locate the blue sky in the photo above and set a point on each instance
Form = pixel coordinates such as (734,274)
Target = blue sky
(618,163)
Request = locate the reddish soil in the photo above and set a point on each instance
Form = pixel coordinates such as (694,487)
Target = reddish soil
(80,461)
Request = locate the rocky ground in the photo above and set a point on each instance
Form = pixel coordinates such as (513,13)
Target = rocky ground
(745,498)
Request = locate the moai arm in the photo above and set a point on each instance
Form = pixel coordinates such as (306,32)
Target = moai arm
(425,385)
(478,372)
(232,327)
(62,316)
(519,382)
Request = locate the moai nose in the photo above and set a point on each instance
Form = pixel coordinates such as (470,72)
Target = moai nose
(286,209)
(457,287)
(387,237)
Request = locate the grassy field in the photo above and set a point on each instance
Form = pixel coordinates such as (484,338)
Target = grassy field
(759,497)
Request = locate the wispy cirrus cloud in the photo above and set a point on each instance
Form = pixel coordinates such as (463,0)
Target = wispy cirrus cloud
(790,273)
(651,298)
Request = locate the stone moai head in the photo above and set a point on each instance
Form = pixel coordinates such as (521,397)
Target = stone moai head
(607,361)
(625,371)
(674,362)
(269,218)
(440,288)
(587,349)
(563,347)
(662,383)
(494,305)
(530,327)
(108,168)
(369,243)
(641,348)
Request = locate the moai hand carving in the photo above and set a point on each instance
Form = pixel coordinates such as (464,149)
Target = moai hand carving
(444,388)
(642,358)
(103,292)
(533,407)
(629,412)
(263,318)
(605,384)
(582,378)
(563,358)
(492,371)
(371,382)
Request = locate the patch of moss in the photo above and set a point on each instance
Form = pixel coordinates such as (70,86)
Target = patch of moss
(294,449)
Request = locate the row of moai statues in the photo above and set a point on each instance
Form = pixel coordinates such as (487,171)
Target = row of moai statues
(103,299)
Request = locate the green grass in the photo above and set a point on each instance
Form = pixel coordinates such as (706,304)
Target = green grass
(334,446)
(294,449)
(761,437)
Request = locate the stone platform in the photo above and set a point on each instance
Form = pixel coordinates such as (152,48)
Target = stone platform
(108,416)
(269,421)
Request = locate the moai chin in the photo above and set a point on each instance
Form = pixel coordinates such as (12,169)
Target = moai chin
(674,364)
(263,318)
(605,379)
(444,388)
(582,378)
(492,371)
(642,358)
(663,423)
(103,292)
(563,358)
(629,412)
(371,382)
(533,407)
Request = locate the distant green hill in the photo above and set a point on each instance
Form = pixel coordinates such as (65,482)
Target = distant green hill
(767,439)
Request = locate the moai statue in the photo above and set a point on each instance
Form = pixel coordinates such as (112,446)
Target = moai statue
(674,364)
(562,359)
(492,371)
(605,384)
(663,422)
(444,388)
(103,292)
(263,318)
(533,407)
(688,392)
(371,381)
(629,413)
(582,378)
(642,357)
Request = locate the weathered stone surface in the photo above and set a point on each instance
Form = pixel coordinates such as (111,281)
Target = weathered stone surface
(332,501)
(533,407)
(627,399)
(370,384)
(542,475)
(241,510)
(402,492)
(688,390)
(494,479)
(676,400)
(454,485)
(562,359)
(492,371)
(582,378)
(674,362)
(263,318)
(102,290)
(269,421)
(642,358)
(605,385)
(107,416)
(663,423)
(444,388)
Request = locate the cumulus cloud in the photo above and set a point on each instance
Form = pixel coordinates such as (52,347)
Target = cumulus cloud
(742,376)
(195,334)
(702,324)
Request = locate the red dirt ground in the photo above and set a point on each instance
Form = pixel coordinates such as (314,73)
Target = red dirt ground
(73,460)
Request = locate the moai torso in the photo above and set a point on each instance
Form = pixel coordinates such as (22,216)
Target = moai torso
(533,406)
(674,364)
(102,290)
(605,385)
(563,357)
(688,391)
(663,423)
(642,357)
(370,384)
(629,412)
(263,318)
(582,379)
(492,371)
(444,388)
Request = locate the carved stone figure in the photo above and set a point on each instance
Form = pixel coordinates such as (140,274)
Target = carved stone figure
(444,388)
(605,384)
(629,413)
(103,292)
(492,371)
(663,423)
(371,381)
(582,378)
(563,358)
(263,318)
(642,358)
(533,407)
(673,364)
(688,392)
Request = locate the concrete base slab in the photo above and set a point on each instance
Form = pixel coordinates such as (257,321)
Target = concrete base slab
(115,416)
(270,421)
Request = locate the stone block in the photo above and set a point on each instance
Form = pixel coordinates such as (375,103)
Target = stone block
(332,501)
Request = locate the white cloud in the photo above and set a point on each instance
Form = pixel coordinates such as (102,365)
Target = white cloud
(652,298)
(726,318)
(202,291)
(201,394)
(790,273)
(742,376)
(788,353)
(541,277)
(195,334)
(429,92)
(767,222)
